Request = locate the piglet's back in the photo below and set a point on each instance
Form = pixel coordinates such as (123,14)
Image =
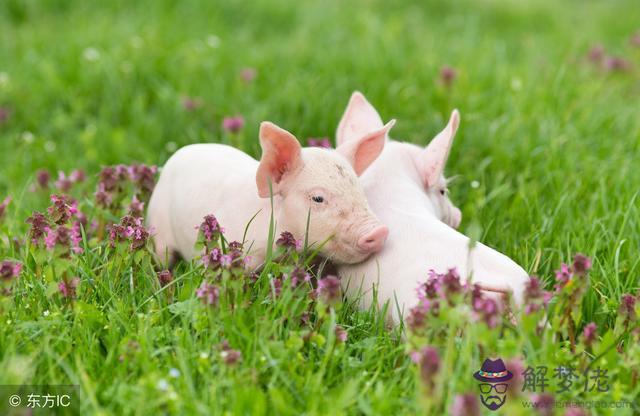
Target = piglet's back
(196,181)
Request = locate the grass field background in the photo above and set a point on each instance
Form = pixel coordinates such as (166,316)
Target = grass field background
(551,138)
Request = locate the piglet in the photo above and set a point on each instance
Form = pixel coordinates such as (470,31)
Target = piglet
(306,183)
(407,191)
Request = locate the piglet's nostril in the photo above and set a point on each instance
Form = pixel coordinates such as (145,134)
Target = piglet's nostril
(374,240)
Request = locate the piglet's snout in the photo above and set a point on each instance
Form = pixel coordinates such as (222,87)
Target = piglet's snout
(373,241)
(456,218)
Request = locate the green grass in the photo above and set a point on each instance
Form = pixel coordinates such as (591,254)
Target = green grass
(552,140)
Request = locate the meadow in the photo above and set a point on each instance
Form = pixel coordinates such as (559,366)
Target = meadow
(545,165)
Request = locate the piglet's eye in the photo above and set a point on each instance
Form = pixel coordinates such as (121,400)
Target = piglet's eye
(443,191)
(318,199)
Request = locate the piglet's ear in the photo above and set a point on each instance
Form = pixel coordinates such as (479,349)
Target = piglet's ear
(358,119)
(363,151)
(280,158)
(434,157)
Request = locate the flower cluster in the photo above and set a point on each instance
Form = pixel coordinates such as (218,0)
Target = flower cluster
(113,181)
(9,270)
(61,227)
(129,229)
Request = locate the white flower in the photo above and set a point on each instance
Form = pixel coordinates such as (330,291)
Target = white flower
(475,184)
(204,355)
(46,313)
(28,137)
(174,372)
(163,385)
(171,146)
(4,79)
(213,41)
(91,54)
(49,146)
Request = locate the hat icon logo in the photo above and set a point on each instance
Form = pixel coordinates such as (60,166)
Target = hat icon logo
(493,377)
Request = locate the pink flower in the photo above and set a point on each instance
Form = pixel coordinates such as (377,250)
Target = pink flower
(9,270)
(596,53)
(77,176)
(43,177)
(329,289)
(319,142)
(628,307)
(210,228)
(590,333)
(448,75)
(581,264)
(76,238)
(341,333)
(208,293)
(428,360)
(5,112)
(165,277)
(248,74)
(136,207)
(544,403)
(4,205)
(39,226)
(287,240)
(68,288)
(616,64)
(465,405)
(191,104)
(63,183)
(233,124)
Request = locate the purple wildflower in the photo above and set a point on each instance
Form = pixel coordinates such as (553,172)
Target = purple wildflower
(329,289)
(590,333)
(563,275)
(139,236)
(62,209)
(287,240)
(76,238)
(465,405)
(581,264)
(417,317)
(341,334)
(451,283)
(4,205)
(448,75)
(248,74)
(9,270)
(489,310)
(233,124)
(516,366)
(319,142)
(208,293)
(534,296)
(628,307)
(144,177)
(226,260)
(109,178)
(43,177)
(77,176)
(165,277)
(136,207)
(210,228)
(39,226)
(5,112)
(103,197)
(228,354)
(544,403)
(63,183)
(616,64)
(211,259)
(428,360)
(68,288)
(190,104)
(117,233)
(299,275)
(596,53)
